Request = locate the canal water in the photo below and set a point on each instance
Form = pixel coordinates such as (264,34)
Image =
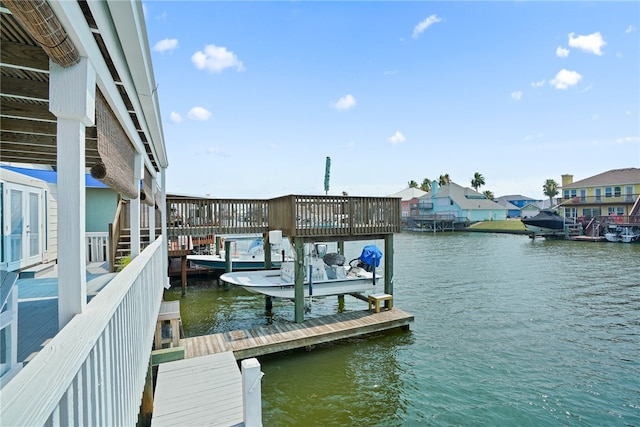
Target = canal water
(507,331)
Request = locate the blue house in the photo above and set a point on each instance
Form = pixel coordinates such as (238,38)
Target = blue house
(514,204)
(462,204)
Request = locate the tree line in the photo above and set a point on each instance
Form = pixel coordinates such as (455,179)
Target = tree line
(549,189)
(476,182)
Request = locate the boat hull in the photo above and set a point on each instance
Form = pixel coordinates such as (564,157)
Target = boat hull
(271,284)
(546,222)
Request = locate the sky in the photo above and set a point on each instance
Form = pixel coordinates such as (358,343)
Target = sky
(254,96)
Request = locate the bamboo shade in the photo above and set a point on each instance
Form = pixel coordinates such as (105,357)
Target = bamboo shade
(38,18)
(147,195)
(117,154)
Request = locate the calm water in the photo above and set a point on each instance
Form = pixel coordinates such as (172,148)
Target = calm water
(507,331)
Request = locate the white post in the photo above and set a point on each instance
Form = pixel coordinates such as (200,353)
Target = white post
(72,101)
(134,208)
(152,215)
(252,392)
(163,223)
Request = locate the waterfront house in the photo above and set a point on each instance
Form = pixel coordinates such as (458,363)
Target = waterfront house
(514,204)
(459,203)
(78,95)
(408,198)
(613,194)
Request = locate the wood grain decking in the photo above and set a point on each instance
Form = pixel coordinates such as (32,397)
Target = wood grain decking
(197,392)
(287,336)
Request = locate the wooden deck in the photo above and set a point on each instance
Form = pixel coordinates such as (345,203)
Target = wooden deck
(288,336)
(200,391)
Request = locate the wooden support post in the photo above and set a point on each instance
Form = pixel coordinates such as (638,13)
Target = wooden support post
(341,247)
(299,280)
(340,303)
(218,238)
(266,247)
(388,266)
(183,269)
(228,265)
(268,304)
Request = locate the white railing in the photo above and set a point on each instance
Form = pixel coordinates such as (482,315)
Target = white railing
(97,246)
(93,371)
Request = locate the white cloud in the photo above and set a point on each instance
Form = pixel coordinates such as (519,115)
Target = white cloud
(199,113)
(397,138)
(215,59)
(562,52)
(591,43)
(166,45)
(628,139)
(539,83)
(630,29)
(419,29)
(565,78)
(517,95)
(175,117)
(345,103)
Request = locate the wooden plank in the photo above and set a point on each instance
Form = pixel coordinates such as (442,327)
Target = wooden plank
(14,86)
(24,56)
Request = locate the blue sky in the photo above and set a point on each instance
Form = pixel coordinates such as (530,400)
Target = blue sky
(255,95)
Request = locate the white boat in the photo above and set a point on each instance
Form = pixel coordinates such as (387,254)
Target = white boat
(622,234)
(245,255)
(329,276)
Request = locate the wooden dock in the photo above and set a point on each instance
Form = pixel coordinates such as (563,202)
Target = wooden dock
(200,391)
(279,337)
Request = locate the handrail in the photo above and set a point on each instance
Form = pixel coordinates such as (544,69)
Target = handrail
(93,371)
(114,235)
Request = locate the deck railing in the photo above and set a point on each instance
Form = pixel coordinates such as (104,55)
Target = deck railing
(93,371)
(604,199)
(97,246)
(315,216)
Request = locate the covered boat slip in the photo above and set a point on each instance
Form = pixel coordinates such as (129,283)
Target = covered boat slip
(301,218)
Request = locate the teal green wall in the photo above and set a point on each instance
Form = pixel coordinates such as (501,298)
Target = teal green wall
(101,207)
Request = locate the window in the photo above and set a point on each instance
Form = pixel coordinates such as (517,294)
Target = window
(607,192)
(620,210)
(570,212)
(628,193)
(583,195)
(566,194)
(617,191)
(598,194)
(611,210)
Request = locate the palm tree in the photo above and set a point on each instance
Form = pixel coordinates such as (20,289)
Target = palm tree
(488,194)
(413,184)
(550,189)
(477,181)
(426,185)
(444,180)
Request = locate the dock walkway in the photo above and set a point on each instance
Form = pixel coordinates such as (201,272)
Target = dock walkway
(279,337)
(200,391)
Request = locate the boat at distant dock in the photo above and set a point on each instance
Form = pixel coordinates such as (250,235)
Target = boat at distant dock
(547,221)
(622,234)
(246,254)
